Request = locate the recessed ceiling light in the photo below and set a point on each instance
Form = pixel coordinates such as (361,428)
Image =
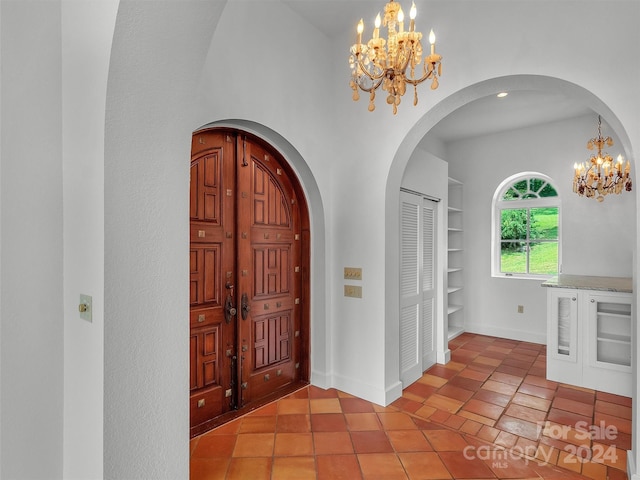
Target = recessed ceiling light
(502,94)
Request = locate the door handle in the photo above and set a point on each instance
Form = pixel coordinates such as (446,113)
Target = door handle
(229,310)
(245,308)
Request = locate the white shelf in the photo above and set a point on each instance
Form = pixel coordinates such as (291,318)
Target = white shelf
(454,331)
(454,251)
(613,338)
(623,316)
(614,310)
(453,309)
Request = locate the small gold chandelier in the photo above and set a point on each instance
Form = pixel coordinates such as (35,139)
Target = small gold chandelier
(600,176)
(373,65)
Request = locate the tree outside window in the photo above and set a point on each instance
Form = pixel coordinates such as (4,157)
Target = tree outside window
(526,215)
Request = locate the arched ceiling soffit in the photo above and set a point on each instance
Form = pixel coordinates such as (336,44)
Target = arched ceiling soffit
(573,93)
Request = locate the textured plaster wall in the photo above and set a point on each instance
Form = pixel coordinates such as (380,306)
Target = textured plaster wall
(87,32)
(156,58)
(31,269)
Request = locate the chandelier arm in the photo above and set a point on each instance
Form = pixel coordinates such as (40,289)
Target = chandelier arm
(403,68)
(375,85)
(366,72)
(417,81)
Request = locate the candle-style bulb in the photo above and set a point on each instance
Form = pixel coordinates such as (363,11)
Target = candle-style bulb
(432,41)
(413,11)
(360,29)
(376,30)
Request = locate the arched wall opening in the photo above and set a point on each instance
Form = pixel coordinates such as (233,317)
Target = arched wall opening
(156,59)
(320,339)
(404,153)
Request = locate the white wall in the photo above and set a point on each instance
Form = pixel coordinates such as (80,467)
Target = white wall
(156,59)
(87,31)
(597,238)
(31,316)
(426,173)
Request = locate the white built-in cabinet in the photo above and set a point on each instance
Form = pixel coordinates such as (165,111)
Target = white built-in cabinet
(589,337)
(455,264)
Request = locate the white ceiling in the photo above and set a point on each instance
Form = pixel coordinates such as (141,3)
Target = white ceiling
(519,109)
(334,17)
(481,117)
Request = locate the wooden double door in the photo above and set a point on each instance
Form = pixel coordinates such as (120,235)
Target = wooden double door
(249,264)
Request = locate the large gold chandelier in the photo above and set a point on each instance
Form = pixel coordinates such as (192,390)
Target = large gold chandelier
(384,63)
(600,176)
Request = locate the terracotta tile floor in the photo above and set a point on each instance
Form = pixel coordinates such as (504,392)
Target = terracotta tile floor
(488,414)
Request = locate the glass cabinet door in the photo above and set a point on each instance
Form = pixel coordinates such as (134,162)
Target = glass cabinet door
(563,325)
(610,331)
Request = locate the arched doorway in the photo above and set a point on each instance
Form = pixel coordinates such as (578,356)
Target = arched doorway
(402,158)
(249,267)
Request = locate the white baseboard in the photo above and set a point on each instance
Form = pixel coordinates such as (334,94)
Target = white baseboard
(632,474)
(320,380)
(511,334)
(367,392)
(443,357)
(393,393)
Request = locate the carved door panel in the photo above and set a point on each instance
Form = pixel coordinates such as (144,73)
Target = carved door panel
(212,252)
(270,275)
(248,297)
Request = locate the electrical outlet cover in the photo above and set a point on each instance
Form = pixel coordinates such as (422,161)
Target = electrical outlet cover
(86,300)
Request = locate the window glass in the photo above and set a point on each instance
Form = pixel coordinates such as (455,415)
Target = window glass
(521,186)
(548,191)
(528,214)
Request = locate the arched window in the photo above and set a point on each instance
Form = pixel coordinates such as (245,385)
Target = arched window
(526,227)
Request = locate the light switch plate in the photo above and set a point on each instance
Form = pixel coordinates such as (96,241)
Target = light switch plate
(88,309)
(354,291)
(352,273)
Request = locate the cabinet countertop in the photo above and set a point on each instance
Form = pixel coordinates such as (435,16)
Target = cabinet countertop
(586,282)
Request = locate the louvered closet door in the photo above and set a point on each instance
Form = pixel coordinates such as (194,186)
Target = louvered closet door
(417,286)
(428,283)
